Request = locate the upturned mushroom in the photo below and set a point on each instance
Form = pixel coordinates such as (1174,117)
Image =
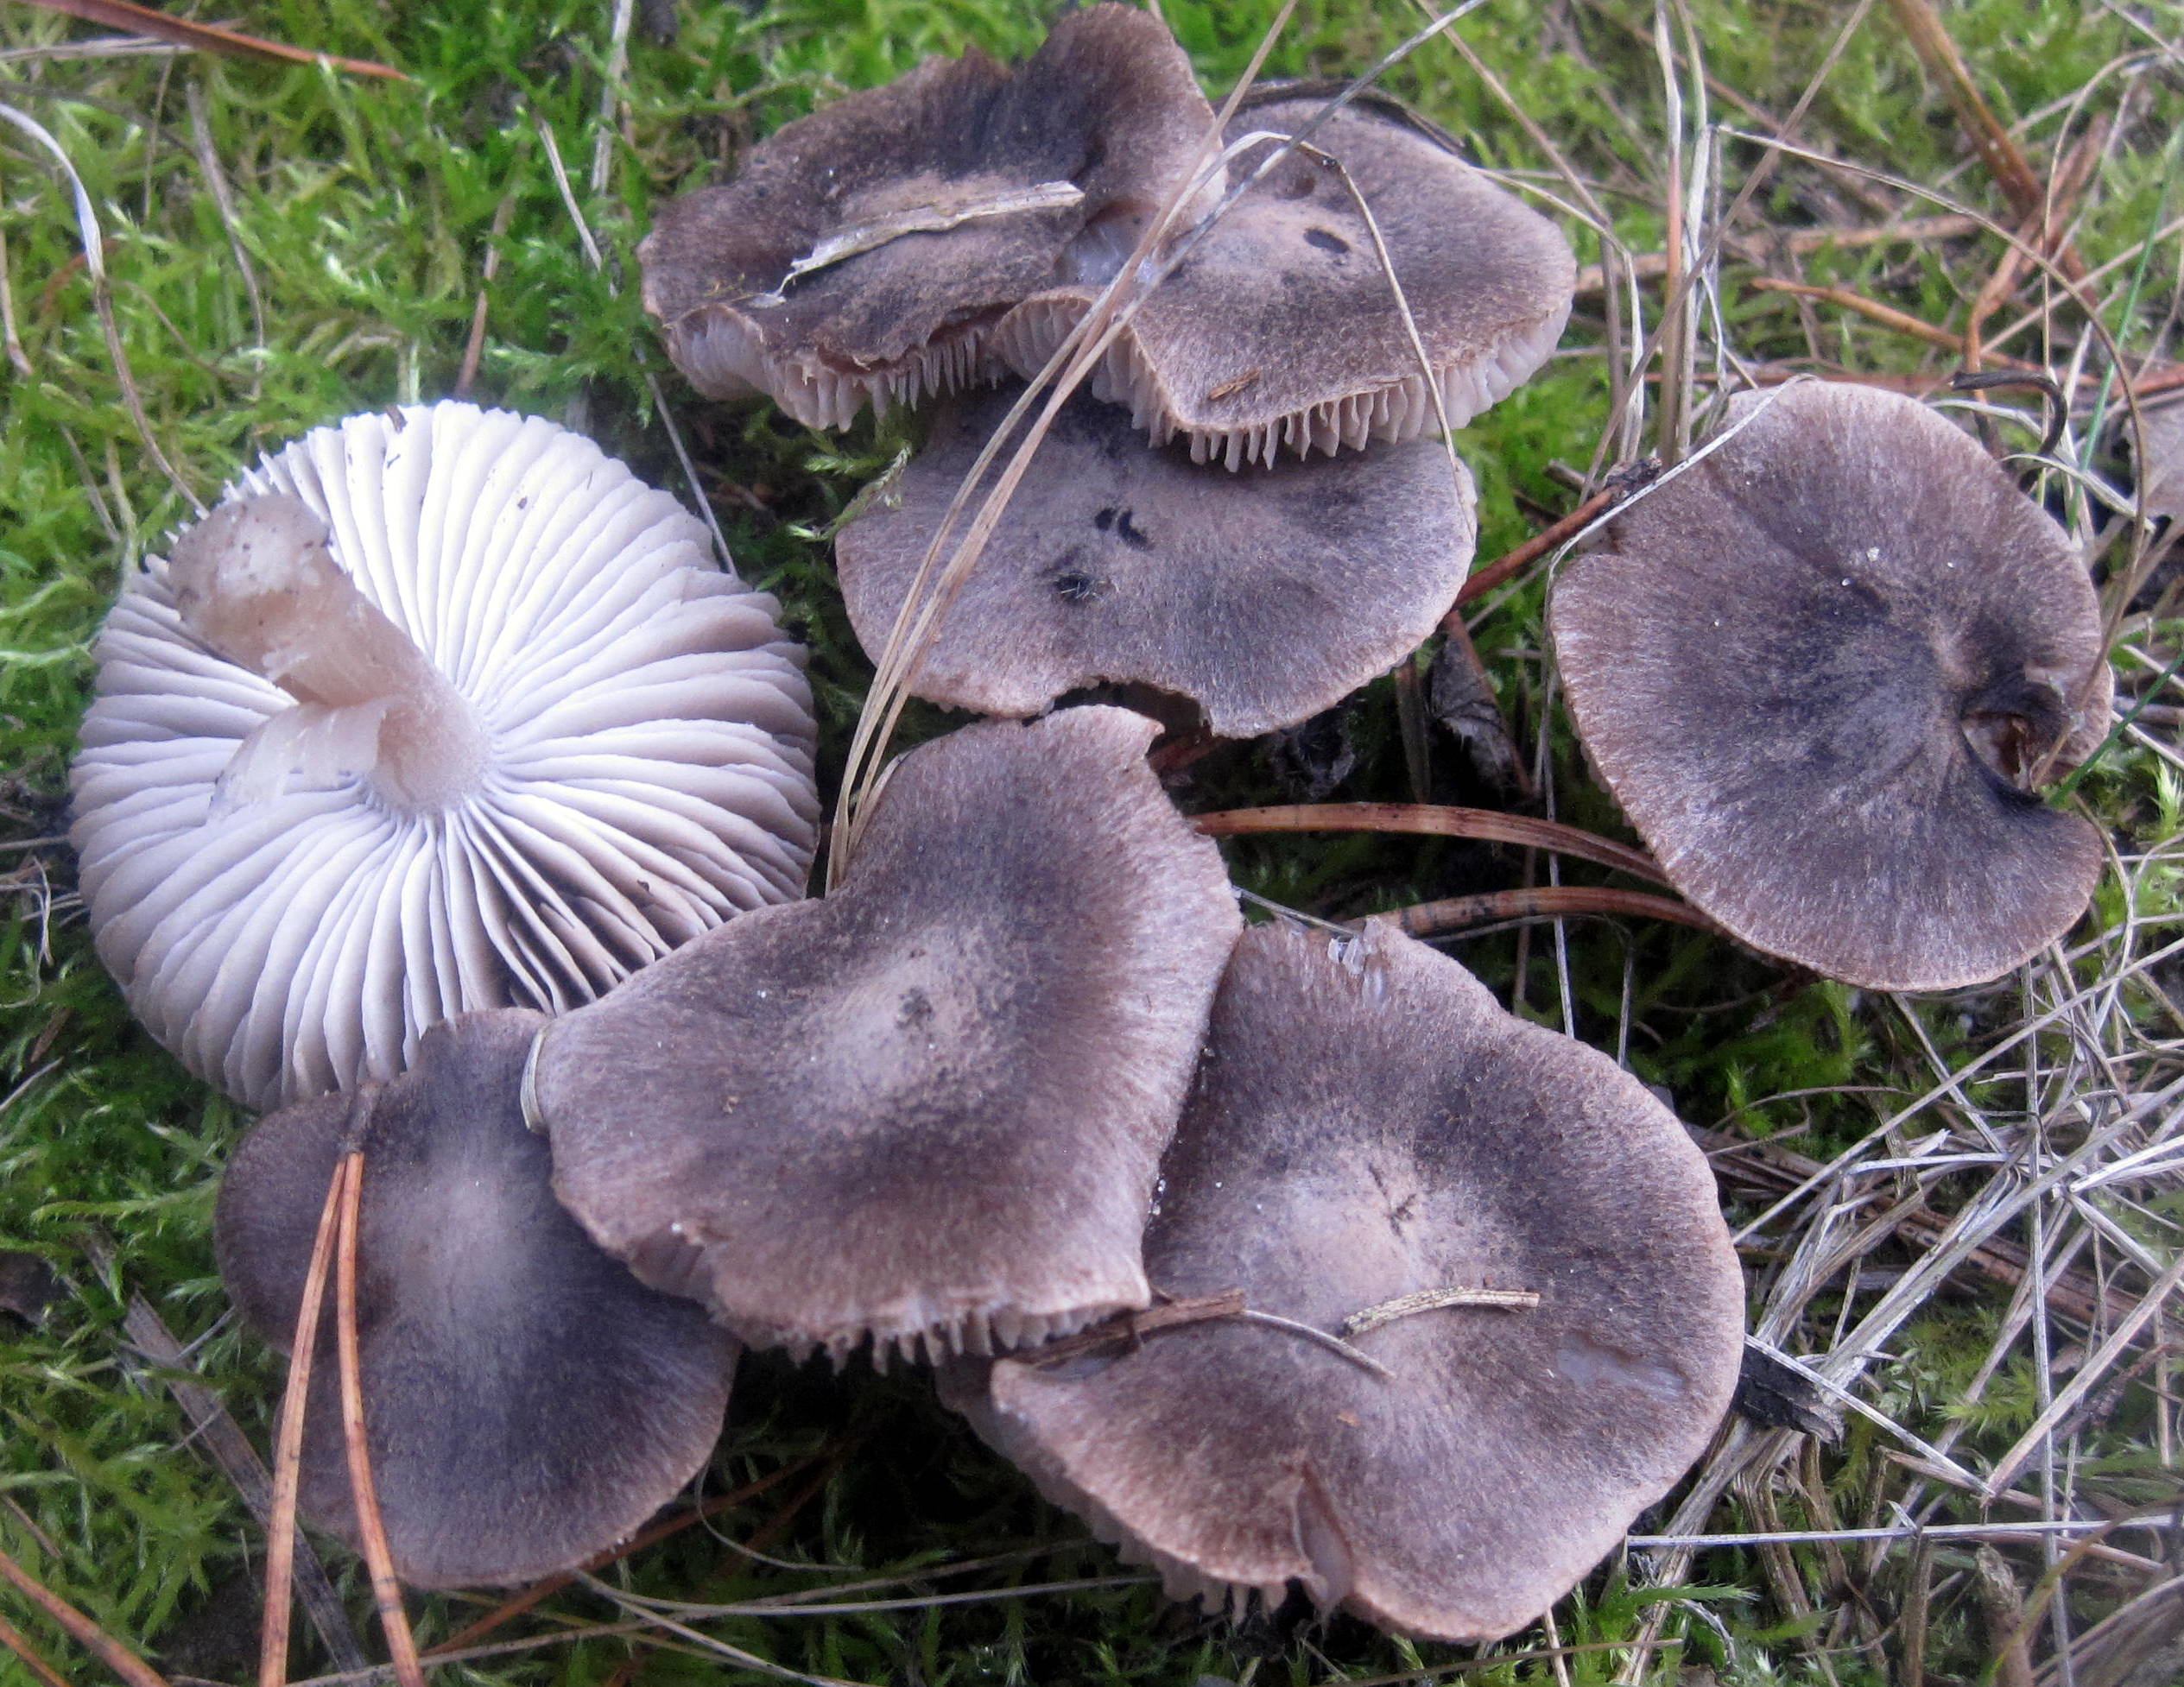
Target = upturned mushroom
(1451,1302)
(929,1108)
(863,254)
(440,710)
(1263,600)
(1281,331)
(528,1403)
(1826,670)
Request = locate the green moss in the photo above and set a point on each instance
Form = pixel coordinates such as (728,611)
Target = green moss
(365,211)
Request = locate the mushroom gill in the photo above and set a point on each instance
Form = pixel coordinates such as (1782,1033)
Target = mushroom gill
(1280,331)
(863,254)
(441,710)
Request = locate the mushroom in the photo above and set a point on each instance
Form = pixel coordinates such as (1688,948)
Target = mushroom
(440,710)
(1823,671)
(1279,331)
(1488,1306)
(864,253)
(930,1107)
(1266,600)
(527,1402)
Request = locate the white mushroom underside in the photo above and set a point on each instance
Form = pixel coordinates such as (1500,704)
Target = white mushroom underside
(649,774)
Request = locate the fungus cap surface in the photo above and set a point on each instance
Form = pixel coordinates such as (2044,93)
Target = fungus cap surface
(1369,1125)
(527,1402)
(929,1108)
(1279,332)
(1265,599)
(950,193)
(287,886)
(1816,670)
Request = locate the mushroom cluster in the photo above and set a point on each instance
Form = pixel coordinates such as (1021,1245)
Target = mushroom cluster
(1358,287)
(439,709)
(1435,1250)
(442,713)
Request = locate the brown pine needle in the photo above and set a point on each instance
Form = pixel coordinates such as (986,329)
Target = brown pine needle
(538,1592)
(14,1639)
(207,37)
(386,1591)
(1873,310)
(1998,149)
(88,1634)
(1426,919)
(288,1446)
(1486,826)
(1507,567)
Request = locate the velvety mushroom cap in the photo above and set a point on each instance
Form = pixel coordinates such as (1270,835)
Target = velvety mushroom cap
(1280,331)
(528,1403)
(1369,1125)
(932,1105)
(440,710)
(1818,671)
(948,195)
(1266,600)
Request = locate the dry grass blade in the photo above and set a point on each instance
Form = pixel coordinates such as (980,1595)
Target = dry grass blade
(88,1634)
(1488,826)
(103,299)
(288,1447)
(386,1591)
(207,37)
(2005,1471)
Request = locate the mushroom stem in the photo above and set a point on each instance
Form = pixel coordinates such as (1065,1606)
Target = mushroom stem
(256,582)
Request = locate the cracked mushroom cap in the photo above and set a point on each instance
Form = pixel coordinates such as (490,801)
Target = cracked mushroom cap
(528,1403)
(1265,600)
(864,253)
(1369,1126)
(1280,332)
(439,709)
(929,1108)
(1821,670)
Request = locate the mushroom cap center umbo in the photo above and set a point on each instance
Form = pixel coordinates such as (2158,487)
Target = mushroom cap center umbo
(1822,669)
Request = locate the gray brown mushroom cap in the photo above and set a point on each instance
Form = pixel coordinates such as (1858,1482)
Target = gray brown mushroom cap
(1369,1125)
(1279,332)
(930,1107)
(1265,599)
(952,193)
(527,1402)
(1818,670)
